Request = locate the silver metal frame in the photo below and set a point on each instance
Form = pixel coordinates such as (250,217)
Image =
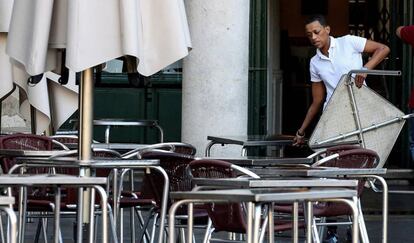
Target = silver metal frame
(254,208)
(360,130)
(108,163)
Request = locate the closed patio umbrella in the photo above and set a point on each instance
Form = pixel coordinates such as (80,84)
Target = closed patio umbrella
(48,98)
(6,81)
(93,32)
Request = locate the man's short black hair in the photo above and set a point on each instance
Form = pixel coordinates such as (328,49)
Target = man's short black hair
(320,18)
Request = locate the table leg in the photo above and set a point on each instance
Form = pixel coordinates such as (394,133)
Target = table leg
(79,220)
(295,231)
(107,131)
(57,214)
(104,204)
(384,207)
(163,211)
(256,222)
(171,217)
(308,218)
(208,148)
(249,233)
(271,226)
(190,222)
(353,205)
(91,216)
(384,204)
(115,196)
(22,212)
(12,221)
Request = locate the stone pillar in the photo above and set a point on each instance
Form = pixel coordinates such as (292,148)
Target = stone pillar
(215,74)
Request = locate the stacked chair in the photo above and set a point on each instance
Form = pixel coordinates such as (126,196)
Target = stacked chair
(174,159)
(223,217)
(40,201)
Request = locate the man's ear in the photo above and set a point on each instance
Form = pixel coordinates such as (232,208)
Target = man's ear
(328,29)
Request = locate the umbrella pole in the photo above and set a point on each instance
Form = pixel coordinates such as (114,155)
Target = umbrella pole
(85,130)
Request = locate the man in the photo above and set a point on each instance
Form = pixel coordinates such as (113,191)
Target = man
(334,57)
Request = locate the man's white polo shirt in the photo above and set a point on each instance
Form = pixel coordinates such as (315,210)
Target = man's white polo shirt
(344,55)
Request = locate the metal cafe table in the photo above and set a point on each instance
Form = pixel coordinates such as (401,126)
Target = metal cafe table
(107,163)
(108,123)
(229,183)
(253,161)
(254,198)
(333,172)
(250,141)
(56,181)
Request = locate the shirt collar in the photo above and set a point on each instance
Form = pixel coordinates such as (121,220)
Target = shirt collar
(331,46)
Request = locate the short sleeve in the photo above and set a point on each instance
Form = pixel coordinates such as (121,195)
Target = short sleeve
(314,76)
(358,43)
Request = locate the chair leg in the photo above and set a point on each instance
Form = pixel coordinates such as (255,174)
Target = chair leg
(182,237)
(1,228)
(263,228)
(44,229)
(315,232)
(132,224)
(322,229)
(121,224)
(154,226)
(112,224)
(37,234)
(41,227)
(95,236)
(209,231)
(144,228)
(142,222)
(362,226)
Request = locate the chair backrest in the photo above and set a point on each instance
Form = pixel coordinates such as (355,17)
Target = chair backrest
(209,168)
(177,147)
(71,196)
(355,158)
(65,141)
(340,148)
(225,217)
(23,142)
(332,150)
(175,166)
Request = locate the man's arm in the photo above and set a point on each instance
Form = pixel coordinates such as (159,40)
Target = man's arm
(318,97)
(378,52)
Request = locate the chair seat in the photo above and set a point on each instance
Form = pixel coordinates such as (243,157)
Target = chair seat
(327,209)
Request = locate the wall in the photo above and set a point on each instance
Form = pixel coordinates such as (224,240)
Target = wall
(292,20)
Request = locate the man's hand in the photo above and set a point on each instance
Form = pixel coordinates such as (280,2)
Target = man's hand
(359,79)
(299,139)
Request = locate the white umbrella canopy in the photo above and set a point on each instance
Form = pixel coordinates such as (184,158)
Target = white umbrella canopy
(96,31)
(6,83)
(48,98)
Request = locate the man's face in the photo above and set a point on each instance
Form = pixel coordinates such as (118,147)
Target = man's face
(318,35)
